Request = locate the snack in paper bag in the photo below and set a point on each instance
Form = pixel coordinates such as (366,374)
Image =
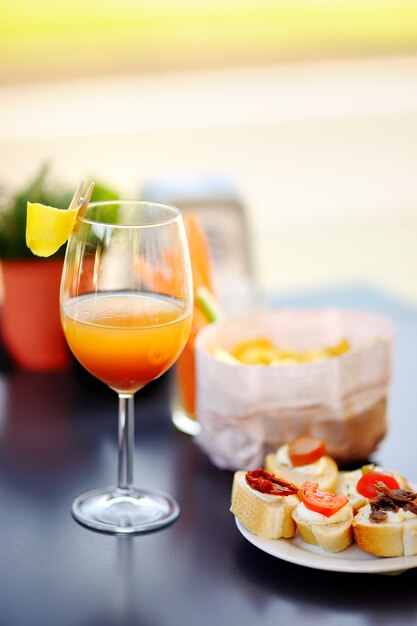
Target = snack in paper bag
(262,351)
(247,411)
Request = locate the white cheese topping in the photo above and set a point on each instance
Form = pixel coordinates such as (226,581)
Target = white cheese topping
(400,516)
(350,480)
(313,469)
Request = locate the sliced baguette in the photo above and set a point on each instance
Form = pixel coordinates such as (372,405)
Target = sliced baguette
(264,515)
(327,480)
(331,537)
(390,538)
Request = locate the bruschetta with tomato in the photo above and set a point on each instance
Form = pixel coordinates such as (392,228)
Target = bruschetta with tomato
(264,503)
(324,518)
(387,526)
(304,458)
(359,484)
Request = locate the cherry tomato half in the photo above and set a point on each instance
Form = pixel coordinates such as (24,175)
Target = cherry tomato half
(366,484)
(304,450)
(324,502)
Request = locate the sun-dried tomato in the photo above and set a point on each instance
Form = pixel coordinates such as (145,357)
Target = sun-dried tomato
(264,482)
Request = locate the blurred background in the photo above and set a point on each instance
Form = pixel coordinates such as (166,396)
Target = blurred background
(303,111)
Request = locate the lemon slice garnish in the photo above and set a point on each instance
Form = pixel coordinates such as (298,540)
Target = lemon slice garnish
(48,228)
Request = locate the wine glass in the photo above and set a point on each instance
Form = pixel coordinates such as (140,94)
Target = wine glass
(126,305)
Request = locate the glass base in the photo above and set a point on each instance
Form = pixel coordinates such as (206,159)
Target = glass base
(114,510)
(185,423)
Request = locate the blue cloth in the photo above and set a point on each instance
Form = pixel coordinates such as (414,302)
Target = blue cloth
(353,297)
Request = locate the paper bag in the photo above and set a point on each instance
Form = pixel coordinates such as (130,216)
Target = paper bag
(246,411)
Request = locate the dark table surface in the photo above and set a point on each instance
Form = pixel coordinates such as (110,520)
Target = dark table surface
(58,438)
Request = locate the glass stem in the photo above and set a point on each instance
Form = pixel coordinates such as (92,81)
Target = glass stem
(126,440)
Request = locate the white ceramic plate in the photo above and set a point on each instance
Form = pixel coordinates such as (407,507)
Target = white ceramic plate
(353,559)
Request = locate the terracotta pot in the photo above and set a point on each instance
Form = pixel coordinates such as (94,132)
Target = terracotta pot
(31,326)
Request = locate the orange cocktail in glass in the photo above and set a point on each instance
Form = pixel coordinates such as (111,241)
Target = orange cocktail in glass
(125,339)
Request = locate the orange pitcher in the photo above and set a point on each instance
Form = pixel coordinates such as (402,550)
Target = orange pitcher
(184,415)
